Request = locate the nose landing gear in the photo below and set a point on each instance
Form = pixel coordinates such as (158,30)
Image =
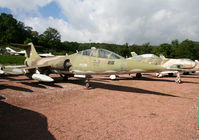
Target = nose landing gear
(87,81)
(178,79)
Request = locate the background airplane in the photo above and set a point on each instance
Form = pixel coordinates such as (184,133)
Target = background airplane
(13,52)
(22,52)
(176,65)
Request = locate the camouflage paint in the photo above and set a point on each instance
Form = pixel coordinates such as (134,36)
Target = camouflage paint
(87,64)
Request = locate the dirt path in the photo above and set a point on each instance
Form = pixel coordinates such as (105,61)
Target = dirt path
(147,108)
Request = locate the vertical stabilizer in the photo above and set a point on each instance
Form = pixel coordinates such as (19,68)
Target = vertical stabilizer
(31,55)
(133,54)
(162,57)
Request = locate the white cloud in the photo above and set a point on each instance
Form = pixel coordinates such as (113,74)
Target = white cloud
(162,14)
(23,5)
(68,33)
(117,21)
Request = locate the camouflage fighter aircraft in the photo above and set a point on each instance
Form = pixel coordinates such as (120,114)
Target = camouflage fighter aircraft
(82,64)
(173,65)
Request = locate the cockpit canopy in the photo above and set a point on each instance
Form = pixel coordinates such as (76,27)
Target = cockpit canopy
(102,53)
(147,56)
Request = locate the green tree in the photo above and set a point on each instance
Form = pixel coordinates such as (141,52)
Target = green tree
(124,50)
(196,51)
(135,48)
(12,30)
(146,48)
(185,50)
(50,38)
(175,43)
(164,49)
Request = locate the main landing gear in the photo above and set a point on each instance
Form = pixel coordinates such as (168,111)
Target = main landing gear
(178,79)
(88,86)
(87,82)
(138,75)
(65,77)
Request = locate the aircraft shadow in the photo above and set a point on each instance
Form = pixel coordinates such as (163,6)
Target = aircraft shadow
(51,84)
(5,86)
(174,76)
(22,124)
(155,79)
(9,77)
(190,76)
(33,84)
(120,88)
(41,84)
(163,80)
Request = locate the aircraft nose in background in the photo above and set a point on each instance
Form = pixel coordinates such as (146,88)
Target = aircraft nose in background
(189,64)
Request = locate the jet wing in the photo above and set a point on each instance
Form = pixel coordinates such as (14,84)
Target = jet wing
(40,68)
(13,69)
(114,72)
(45,69)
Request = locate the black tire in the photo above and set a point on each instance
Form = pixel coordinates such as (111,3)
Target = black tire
(138,75)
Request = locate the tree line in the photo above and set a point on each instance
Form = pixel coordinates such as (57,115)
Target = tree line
(14,31)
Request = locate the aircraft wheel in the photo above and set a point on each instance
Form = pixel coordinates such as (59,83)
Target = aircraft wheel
(112,77)
(138,75)
(87,86)
(178,81)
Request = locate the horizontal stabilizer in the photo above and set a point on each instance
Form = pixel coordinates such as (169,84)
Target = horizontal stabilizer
(133,54)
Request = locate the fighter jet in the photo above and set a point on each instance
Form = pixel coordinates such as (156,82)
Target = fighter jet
(13,52)
(83,64)
(173,65)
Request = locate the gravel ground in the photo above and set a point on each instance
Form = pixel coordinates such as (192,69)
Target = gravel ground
(128,108)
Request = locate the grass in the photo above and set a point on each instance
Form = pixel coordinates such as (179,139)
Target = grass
(6,59)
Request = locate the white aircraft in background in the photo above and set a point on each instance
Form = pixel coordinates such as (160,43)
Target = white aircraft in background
(174,66)
(13,52)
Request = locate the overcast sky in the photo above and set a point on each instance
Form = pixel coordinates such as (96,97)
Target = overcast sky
(110,21)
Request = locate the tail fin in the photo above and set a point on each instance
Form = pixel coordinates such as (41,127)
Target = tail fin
(31,52)
(133,54)
(31,55)
(162,56)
